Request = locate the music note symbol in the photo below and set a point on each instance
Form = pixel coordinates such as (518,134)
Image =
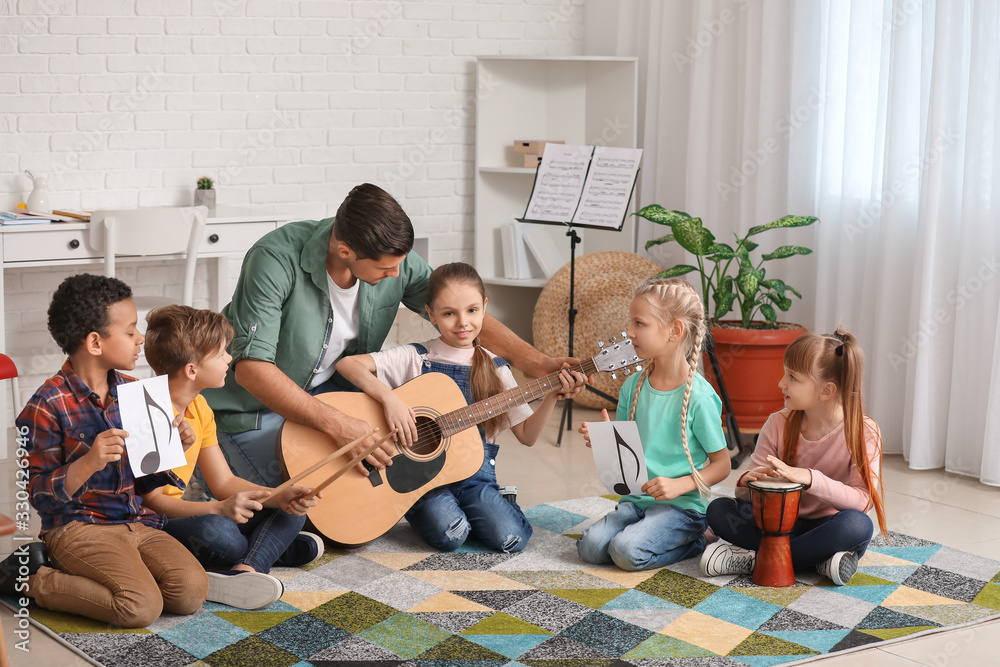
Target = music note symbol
(151,461)
(621,488)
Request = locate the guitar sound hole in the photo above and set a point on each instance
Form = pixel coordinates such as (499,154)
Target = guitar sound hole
(429,438)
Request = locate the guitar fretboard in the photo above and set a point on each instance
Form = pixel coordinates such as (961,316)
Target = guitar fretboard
(498,404)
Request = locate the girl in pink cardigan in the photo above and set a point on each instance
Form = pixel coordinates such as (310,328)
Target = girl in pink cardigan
(822,439)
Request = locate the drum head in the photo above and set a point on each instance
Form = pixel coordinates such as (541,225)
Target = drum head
(775,484)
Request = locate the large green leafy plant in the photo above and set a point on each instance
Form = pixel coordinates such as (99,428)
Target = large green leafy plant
(730,276)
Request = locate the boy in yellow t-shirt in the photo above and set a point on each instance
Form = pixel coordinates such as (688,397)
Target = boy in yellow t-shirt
(248,528)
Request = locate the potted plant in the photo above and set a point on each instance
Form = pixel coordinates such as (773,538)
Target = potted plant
(749,349)
(204,195)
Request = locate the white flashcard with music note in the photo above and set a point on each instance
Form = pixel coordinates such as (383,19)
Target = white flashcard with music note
(153,443)
(618,456)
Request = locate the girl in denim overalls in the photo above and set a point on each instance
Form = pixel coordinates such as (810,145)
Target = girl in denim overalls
(444,517)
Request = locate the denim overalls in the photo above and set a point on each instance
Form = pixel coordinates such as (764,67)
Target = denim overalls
(445,516)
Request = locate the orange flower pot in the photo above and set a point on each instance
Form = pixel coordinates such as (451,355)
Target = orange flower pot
(751,365)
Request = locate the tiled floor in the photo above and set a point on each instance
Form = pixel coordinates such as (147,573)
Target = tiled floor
(956,511)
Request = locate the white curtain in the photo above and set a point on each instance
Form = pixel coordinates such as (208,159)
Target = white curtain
(881,117)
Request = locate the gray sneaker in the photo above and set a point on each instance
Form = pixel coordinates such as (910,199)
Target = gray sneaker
(840,567)
(243,589)
(724,558)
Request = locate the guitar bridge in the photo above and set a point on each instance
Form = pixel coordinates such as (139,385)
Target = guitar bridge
(373,473)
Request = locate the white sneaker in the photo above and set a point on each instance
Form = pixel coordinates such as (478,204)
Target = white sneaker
(724,558)
(243,589)
(840,567)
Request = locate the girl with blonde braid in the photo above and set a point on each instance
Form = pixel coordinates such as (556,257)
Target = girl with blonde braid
(679,417)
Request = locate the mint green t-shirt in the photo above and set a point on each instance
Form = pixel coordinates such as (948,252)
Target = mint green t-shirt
(658,417)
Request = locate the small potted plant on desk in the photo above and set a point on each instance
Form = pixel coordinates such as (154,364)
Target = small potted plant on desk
(205,194)
(749,350)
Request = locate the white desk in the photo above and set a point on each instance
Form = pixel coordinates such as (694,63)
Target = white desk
(229,233)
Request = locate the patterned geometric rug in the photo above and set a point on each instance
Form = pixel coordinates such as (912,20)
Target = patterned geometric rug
(395,602)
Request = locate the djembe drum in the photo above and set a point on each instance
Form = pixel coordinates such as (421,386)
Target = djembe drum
(775,507)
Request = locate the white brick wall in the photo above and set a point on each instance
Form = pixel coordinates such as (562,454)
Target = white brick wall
(287,105)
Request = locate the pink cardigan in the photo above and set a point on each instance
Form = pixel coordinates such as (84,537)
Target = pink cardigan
(837,483)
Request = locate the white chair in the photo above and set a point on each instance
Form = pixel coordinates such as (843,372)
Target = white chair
(151,232)
(165,231)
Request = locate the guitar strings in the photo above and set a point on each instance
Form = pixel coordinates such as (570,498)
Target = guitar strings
(477,409)
(493,404)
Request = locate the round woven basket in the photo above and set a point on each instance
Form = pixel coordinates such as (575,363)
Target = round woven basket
(605,282)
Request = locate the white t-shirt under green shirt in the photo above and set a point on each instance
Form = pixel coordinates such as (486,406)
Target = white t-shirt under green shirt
(344,304)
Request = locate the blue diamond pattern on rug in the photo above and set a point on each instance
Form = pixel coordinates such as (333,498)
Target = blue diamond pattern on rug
(396,602)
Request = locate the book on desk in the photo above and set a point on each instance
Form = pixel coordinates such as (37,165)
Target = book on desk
(26,217)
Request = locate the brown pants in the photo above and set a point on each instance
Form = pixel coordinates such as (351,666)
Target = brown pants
(123,574)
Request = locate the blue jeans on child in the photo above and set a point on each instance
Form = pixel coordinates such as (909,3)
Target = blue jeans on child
(812,540)
(445,516)
(637,539)
(250,454)
(219,542)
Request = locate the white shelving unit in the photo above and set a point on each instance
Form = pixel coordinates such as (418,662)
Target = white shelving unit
(580,100)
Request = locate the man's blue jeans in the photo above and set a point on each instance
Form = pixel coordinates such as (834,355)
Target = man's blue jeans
(251,454)
(445,516)
(635,539)
(218,542)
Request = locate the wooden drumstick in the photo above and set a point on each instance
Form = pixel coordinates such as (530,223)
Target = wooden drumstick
(335,476)
(316,466)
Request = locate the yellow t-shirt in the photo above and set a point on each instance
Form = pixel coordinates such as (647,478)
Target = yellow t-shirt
(202,421)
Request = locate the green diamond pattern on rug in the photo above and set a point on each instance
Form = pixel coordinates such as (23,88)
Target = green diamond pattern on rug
(405,635)
(677,588)
(594,598)
(251,651)
(762,644)
(457,648)
(353,612)
(256,621)
(543,607)
(505,624)
(989,596)
(662,646)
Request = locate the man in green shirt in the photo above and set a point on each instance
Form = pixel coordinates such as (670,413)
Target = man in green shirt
(309,293)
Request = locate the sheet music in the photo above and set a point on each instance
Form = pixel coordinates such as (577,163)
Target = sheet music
(153,443)
(621,465)
(608,189)
(558,183)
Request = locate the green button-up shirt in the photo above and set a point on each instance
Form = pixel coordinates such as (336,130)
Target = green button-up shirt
(281,313)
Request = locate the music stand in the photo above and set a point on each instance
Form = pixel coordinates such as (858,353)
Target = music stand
(567,411)
(572,175)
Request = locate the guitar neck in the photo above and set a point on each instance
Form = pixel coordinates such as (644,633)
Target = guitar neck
(498,404)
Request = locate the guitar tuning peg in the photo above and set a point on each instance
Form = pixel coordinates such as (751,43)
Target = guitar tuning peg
(624,335)
(613,339)
(638,368)
(614,376)
(627,372)
(600,343)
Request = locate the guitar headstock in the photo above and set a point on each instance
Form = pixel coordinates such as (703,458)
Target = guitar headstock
(618,355)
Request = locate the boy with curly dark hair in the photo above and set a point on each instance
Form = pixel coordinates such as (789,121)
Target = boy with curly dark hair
(111,561)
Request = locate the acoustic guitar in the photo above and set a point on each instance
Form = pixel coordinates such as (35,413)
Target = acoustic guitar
(356,509)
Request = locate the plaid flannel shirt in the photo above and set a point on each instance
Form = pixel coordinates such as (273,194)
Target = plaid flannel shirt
(58,426)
